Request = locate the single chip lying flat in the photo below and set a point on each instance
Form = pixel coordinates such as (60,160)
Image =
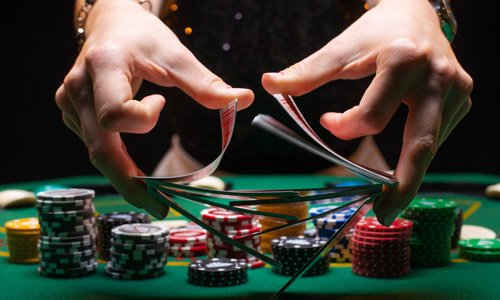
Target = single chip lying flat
(171,224)
(476,232)
(493,191)
(209,182)
(16,198)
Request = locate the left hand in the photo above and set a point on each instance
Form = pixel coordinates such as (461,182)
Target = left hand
(401,42)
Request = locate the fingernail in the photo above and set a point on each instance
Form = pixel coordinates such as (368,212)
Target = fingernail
(239,90)
(274,75)
(158,215)
(391,216)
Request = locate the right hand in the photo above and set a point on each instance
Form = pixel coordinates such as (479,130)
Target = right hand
(126,44)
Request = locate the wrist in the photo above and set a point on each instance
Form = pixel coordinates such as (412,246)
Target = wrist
(96,12)
(442,9)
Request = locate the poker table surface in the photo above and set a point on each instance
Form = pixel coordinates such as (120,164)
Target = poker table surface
(460,280)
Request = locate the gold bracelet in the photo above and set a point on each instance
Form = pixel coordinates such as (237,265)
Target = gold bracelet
(83,13)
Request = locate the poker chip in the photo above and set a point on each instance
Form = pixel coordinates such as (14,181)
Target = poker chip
(234,225)
(297,209)
(484,250)
(381,251)
(209,182)
(295,252)
(106,223)
(223,215)
(217,272)
(329,225)
(66,194)
(68,233)
(434,223)
(138,251)
(185,242)
(22,237)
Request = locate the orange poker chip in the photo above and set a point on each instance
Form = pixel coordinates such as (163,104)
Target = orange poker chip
(28,224)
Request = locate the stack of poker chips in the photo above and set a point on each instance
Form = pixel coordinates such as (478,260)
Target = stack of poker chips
(67,233)
(380,251)
(187,242)
(217,272)
(297,209)
(295,252)
(22,238)
(232,224)
(458,228)
(433,225)
(138,251)
(106,222)
(329,225)
(484,250)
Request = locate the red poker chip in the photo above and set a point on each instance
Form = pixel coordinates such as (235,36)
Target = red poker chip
(243,231)
(223,215)
(380,268)
(380,273)
(187,235)
(222,245)
(380,239)
(383,263)
(380,248)
(256,264)
(379,244)
(190,244)
(374,256)
(188,249)
(386,234)
(371,224)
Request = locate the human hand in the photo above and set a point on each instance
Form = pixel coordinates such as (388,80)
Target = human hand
(401,42)
(125,45)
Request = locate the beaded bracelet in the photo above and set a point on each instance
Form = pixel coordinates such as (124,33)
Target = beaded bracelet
(84,12)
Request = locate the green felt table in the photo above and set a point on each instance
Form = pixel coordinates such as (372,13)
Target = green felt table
(460,280)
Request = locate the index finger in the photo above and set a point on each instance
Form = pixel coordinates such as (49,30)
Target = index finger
(107,150)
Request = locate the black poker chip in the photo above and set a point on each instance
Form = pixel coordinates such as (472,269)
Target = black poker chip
(119,247)
(67,233)
(217,272)
(105,224)
(295,252)
(113,273)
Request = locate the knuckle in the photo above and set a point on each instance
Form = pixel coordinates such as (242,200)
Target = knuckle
(109,116)
(74,84)
(466,83)
(98,155)
(426,147)
(60,98)
(406,53)
(209,94)
(103,53)
(298,70)
(444,72)
(374,120)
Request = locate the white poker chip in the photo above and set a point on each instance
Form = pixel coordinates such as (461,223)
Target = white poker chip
(476,232)
(493,191)
(16,198)
(209,182)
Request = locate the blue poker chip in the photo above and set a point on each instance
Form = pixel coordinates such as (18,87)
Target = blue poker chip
(343,214)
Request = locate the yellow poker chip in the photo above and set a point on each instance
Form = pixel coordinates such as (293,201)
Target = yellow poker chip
(28,224)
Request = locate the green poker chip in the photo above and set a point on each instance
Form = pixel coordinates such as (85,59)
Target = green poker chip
(480,244)
(432,203)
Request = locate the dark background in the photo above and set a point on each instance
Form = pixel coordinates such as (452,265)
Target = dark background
(38,49)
